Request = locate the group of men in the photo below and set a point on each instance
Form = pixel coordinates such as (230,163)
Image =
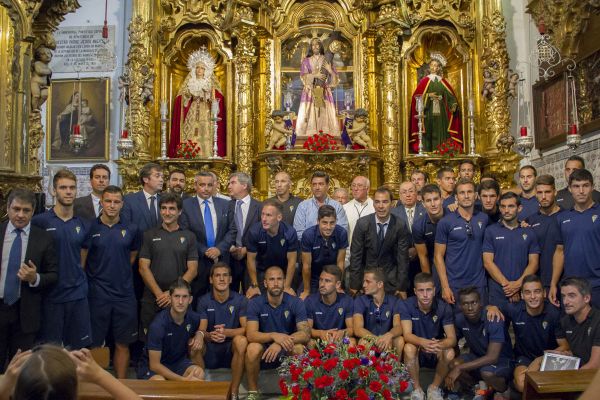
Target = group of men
(208,281)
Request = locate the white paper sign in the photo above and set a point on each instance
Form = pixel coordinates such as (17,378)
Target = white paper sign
(78,49)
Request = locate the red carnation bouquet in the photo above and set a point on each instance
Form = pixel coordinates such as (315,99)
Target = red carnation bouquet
(449,148)
(340,371)
(321,142)
(188,149)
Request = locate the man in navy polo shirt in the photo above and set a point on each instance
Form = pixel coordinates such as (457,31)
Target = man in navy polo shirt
(223,322)
(510,252)
(446,180)
(489,191)
(322,244)
(376,315)
(458,243)
(580,233)
(276,326)
(329,311)
(424,228)
(534,322)
(111,249)
(544,224)
(174,340)
(66,313)
(270,242)
(428,329)
(529,202)
(490,350)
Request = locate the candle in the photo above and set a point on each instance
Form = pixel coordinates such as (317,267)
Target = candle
(124,134)
(76,130)
(419,104)
(471,107)
(163,109)
(215,107)
(523,131)
(573,130)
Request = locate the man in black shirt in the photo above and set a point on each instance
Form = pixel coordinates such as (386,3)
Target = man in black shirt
(168,252)
(564,198)
(283,194)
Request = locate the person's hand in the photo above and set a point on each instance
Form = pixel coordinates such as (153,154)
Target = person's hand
(561,352)
(400,294)
(515,298)
(290,291)
(8,382)
(285,341)
(252,291)
(213,253)
(511,287)
(384,342)
(452,207)
(196,374)
(452,377)
(353,292)
(447,295)
(494,314)
(27,272)
(524,224)
(341,290)
(335,335)
(197,342)
(271,353)
(552,296)
(164,300)
(216,336)
(305,293)
(86,367)
(412,253)
(431,346)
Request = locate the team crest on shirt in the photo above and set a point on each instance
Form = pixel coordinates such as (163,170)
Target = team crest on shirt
(78,229)
(231,308)
(123,232)
(589,330)
(188,327)
(286,314)
(387,314)
(182,239)
(524,236)
(434,318)
(594,218)
(333,245)
(544,324)
(480,224)
(340,311)
(282,241)
(291,208)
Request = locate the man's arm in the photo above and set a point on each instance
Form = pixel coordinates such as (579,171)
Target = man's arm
(491,357)
(493,270)
(83,256)
(256,336)
(291,268)
(241,331)
(148,277)
(359,327)
(440,265)
(300,221)
(191,272)
(357,256)
(251,267)
(302,335)
(160,369)
(48,270)
(594,361)
(341,259)
(423,257)
(450,340)
(404,242)
(558,263)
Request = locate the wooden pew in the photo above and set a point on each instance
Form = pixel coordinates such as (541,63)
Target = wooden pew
(163,390)
(560,385)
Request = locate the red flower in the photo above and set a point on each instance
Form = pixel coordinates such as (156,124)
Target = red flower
(314,353)
(387,395)
(305,394)
(308,374)
(403,386)
(323,381)
(341,394)
(361,394)
(283,387)
(384,378)
(344,374)
(316,362)
(295,377)
(330,364)
(375,386)
(363,372)
(360,348)
(349,364)
(296,390)
(352,350)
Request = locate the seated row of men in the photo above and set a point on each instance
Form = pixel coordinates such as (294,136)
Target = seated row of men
(230,331)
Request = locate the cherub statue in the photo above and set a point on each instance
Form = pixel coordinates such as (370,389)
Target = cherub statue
(358,131)
(148,85)
(279,132)
(40,77)
(513,81)
(489,84)
(124,87)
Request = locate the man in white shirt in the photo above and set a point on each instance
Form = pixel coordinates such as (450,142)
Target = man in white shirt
(360,205)
(88,207)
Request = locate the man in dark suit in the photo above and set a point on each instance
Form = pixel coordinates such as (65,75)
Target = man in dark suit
(208,217)
(29,267)
(245,211)
(141,208)
(176,183)
(89,207)
(381,240)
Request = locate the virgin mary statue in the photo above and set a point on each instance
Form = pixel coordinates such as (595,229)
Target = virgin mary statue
(317,107)
(192,118)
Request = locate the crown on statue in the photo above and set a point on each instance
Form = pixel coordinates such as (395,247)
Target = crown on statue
(439,58)
(201,57)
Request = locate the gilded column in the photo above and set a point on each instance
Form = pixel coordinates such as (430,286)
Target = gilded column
(243,60)
(389,57)
(370,81)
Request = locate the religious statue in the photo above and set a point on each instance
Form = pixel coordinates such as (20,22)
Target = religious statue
(66,122)
(280,132)
(192,117)
(440,106)
(489,84)
(317,108)
(40,77)
(358,131)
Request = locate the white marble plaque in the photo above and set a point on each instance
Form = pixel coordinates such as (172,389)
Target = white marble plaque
(82,49)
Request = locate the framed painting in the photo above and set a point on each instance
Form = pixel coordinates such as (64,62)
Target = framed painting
(77,127)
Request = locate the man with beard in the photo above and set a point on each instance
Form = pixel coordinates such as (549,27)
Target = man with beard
(458,246)
(424,229)
(66,313)
(376,314)
(330,311)
(276,326)
(283,194)
(564,198)
(466,170)
(535,322)
(428,329)
(223,323)
(490,351)
(110,250)
(489,191)
(176,183)
(90,206)
(420,179)
(510,253)
(580,233)
(544,224)
(529,202)
(322,244)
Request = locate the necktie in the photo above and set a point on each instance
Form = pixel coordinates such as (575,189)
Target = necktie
(208,225)
(409,214)
(99,209)
(11,286)
(239,223)
(153,218)
(380,233)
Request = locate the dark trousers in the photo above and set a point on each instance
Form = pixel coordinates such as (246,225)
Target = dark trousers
(12,338)
(238,271)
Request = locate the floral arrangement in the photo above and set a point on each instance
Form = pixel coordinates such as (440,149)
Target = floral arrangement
(188,149)
(321,142)
(449,148)
(341,371)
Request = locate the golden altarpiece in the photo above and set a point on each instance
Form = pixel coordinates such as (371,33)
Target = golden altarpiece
(382,45)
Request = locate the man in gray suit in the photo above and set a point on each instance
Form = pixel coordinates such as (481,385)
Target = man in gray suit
(89,207)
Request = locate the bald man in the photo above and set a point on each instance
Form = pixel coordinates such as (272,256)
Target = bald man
(283,194)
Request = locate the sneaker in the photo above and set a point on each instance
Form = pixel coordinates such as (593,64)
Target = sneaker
(434,393)
(417,394)
(253,395)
